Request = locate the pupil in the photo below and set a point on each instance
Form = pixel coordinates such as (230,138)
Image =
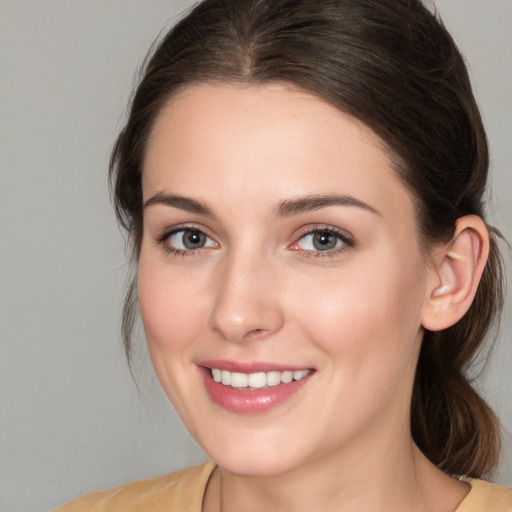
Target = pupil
(324,241)
(193,239)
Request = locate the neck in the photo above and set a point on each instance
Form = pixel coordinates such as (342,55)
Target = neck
(401,479)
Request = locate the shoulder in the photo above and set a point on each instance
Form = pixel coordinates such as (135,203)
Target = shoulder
(182,490)
(487,497)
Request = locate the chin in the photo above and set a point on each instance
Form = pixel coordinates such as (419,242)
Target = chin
(264,457)
(255,466)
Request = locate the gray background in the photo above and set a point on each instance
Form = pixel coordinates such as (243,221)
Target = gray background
(71,420)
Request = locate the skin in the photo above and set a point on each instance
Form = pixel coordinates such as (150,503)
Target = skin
(258,291)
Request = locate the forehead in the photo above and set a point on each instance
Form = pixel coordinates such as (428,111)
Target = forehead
(272,105)
(273,138)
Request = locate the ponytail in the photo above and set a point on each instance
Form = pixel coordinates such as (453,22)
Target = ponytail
(451,423)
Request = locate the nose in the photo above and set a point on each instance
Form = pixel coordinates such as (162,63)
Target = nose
(246,303)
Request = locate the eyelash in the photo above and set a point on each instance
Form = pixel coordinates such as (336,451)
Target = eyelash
(346,240)
(163,240)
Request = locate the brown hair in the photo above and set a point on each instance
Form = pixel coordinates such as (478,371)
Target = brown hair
(393,65)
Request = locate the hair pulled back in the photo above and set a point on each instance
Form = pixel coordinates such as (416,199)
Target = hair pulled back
(393,66)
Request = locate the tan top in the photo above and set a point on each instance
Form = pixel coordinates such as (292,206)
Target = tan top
(486,497)
(183,491)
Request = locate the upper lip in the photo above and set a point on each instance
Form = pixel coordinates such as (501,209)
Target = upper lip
(250,366)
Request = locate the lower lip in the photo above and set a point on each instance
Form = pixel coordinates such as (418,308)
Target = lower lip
(251,401)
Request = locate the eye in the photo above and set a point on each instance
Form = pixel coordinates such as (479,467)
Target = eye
(183,240)
(322,240)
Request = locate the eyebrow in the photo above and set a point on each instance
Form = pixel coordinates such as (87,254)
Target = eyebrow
(181,202)
(287,208)
(316,202)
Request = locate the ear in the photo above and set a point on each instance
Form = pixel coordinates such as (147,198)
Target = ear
(454,274)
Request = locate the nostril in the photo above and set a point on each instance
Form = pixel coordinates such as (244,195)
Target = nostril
(254,333)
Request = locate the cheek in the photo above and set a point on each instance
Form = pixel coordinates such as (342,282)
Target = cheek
(158,314)
(367,326)
(367,313)
(169,309)
(168,302)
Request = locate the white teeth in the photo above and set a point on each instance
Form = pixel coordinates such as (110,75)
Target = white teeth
(256,380)
(273,378)
(226,378)
(239,380)
(286,377)
(299,374)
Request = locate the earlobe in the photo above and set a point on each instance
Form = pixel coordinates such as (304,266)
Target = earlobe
(455,274)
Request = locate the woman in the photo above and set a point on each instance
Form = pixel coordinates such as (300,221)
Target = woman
(302,182)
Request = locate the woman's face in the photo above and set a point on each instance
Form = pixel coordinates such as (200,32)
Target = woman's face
(278,244)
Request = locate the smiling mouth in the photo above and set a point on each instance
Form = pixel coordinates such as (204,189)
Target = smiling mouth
(257,380)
